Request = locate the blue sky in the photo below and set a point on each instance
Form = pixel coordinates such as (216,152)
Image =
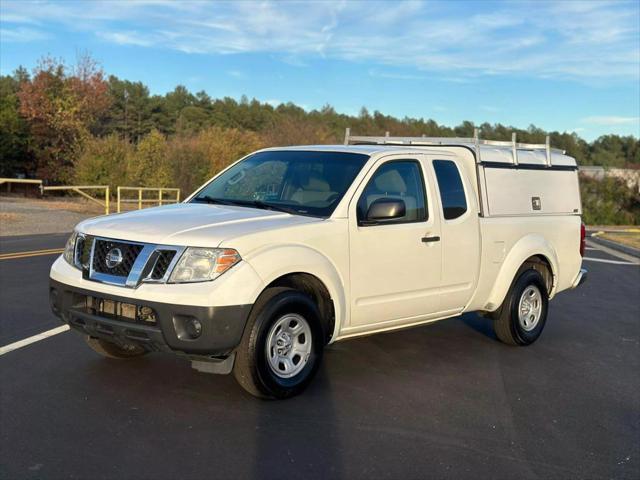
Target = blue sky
(567,66)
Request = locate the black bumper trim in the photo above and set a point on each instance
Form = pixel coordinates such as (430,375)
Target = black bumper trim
(222,327)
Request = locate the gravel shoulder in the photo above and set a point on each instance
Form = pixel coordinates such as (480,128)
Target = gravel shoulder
(27,216)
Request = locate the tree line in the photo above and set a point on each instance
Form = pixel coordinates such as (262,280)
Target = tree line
(75,124)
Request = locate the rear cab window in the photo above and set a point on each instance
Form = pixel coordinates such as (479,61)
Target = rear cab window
(454,201)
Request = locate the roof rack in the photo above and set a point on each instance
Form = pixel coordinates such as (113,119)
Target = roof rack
(475,142)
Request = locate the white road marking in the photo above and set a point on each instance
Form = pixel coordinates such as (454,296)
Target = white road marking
(602,260)
(614,253)
(36,338)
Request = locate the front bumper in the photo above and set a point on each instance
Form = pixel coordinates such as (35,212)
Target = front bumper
(580,278)
(221,327)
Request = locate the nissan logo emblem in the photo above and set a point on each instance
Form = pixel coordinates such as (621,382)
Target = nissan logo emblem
(113,258)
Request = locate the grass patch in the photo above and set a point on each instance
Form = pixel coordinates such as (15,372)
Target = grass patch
(630,239)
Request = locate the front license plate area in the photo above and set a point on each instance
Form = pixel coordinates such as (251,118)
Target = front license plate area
(121,311)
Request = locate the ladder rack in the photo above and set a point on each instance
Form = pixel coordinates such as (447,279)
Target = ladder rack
(475,142)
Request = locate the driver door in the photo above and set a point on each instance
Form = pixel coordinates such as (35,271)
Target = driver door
(395,266)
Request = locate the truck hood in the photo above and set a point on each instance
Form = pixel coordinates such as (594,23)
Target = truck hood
(191,224)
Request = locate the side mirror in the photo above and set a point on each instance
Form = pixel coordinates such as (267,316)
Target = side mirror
(385,209)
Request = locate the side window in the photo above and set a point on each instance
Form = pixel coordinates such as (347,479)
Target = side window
(454,203)
(400,180)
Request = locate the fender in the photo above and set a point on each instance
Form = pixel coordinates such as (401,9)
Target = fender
(527,246)
(276,261)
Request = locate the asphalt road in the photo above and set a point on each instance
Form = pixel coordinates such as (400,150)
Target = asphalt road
(444,400)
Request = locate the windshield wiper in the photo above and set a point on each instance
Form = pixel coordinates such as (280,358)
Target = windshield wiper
(220,201)
(271,206)
(247,203)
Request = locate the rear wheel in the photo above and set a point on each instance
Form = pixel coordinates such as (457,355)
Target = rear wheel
(523,314)
(111,350)
(282,345)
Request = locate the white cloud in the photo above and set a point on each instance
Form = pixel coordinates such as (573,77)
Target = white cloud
(22,34)
(583,40)
(396,75)
(9,18)
(127,38)
(610,120)
(236,74)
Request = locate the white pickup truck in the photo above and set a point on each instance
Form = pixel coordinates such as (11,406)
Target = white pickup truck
(291,249)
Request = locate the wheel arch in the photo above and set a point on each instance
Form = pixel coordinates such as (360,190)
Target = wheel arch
(307,270)
(316,289)
(532,251)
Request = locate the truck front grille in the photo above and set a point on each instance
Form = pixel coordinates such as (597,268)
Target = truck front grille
(118,262)
(162,264)
(83,251)
(128,252)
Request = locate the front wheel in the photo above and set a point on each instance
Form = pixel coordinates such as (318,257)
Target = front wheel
(282,345)
(523,314)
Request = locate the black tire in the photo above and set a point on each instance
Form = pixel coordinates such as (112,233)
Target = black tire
(111,350)
(507,325)
(251,368)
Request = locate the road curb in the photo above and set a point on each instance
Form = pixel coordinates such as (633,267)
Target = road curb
(634,252)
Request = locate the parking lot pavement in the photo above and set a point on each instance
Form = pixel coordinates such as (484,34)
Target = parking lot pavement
(443,400)
(30,243)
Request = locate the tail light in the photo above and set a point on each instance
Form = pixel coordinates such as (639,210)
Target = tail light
(583,235)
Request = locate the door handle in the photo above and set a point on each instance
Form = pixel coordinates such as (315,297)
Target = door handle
(430,239)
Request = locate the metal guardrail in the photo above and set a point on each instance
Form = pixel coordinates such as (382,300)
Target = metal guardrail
(160,200)
(20,180)
(79,190)
(74,188)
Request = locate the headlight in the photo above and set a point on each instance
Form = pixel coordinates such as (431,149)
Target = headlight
(70,249)
(202,264)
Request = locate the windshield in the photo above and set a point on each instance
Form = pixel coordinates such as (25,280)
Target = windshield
(297,182)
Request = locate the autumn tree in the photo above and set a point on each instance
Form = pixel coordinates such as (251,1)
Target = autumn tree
(196,158)
(61,106)
(287,130)
(104,161)
(149,166)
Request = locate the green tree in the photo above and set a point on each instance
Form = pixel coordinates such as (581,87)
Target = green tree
(614,151)
(609,201)
(130,112)
(15,155)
